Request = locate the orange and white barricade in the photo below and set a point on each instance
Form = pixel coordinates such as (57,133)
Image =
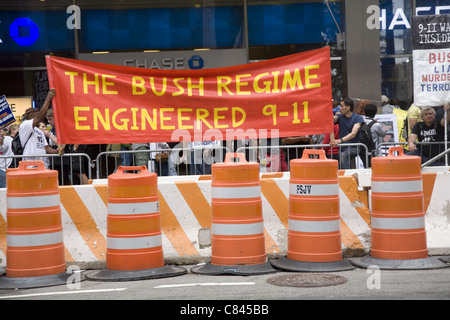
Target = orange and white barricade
(398,233)
(237,226)
(314,223)
(134,240)
(34,236)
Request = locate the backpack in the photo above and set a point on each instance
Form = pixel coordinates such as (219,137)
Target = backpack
(16,145)
(366,136)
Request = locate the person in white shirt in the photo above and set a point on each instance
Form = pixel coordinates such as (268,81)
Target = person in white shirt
(31,137)
(6,151)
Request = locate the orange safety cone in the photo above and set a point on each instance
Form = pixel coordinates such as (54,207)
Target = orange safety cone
(134,239)
(314,235)
(34,234)
(237,227)
(398,218)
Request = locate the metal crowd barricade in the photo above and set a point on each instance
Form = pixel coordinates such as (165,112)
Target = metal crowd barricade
(444,150)
(256,153)
(107,162)
(67,170)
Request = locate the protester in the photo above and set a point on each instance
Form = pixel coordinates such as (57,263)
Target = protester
(31,137)
(12,130)
(332,152)
(361,107)
(377,132)
(5,151)
(430,130)
(349,127)
(389,108)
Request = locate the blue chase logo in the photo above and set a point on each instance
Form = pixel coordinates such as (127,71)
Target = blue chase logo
(24,31)
(195,62)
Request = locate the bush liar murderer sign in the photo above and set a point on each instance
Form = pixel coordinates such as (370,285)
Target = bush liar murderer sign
(101,103)
(431,59)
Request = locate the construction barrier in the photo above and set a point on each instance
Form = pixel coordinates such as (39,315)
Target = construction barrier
(237,226)
(314,228)
(134,241)
(185,209)
(35,248)
(398,215)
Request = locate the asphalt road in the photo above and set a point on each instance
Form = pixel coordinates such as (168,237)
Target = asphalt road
(254,291)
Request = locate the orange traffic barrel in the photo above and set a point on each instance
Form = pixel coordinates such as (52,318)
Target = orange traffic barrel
(398,236)
(34,234)
(314,223)
(237,226)
(134,239)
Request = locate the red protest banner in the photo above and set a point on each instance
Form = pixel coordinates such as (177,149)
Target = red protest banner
(101,103)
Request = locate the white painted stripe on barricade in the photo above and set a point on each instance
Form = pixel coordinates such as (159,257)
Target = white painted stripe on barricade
(73,241)
(397,186)
(182,212)
(33,202)
(34,240)
(314,226)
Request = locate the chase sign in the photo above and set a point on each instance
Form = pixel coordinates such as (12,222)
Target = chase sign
(24,31)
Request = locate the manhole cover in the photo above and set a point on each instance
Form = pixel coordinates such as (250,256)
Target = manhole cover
(307,280)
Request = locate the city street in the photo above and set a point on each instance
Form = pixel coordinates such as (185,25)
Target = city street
(357,284)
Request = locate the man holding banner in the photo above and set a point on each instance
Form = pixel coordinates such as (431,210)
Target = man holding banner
(31,137)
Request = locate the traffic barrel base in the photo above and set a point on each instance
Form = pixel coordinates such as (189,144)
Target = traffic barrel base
(134,275)
(398,264)
(239,270)
(445,259)
(305,266)
(36,282)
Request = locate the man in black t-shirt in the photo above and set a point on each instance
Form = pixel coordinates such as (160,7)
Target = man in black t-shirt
(429,130)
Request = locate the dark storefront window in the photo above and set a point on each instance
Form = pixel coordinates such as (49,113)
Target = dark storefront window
(30,29)
(396,42)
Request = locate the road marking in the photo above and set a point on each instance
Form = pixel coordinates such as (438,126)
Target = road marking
(205,284)
(60,293)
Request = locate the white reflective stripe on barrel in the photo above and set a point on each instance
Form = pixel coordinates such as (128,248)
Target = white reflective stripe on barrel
(31,202)
(314,226)
(398,223)
(237,229)
(314,189)
(34,240)
(129,243)
(397,186)
(133,208)
(235,192)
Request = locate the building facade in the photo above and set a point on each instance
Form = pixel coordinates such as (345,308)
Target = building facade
(370,41)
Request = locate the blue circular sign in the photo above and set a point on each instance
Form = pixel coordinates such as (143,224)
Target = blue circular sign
(196,62)
(24,31)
